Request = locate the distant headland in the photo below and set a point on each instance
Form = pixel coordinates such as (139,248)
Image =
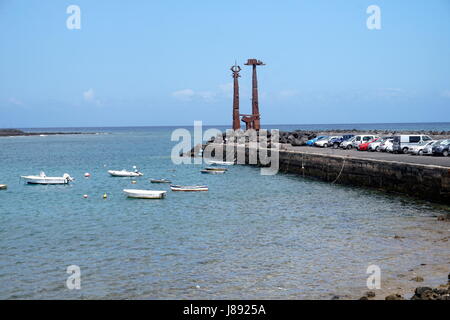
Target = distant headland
(20,133)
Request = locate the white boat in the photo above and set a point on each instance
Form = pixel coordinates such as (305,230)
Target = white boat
(3,187)
(208,171)
(145,194)
(43,179)
(188,188)
(160,181)
(220,163)
(125,173)
(216,169)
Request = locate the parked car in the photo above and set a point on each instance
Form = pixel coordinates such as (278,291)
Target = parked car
(420,148)
(363,139)
(376,145)
(325,142)
(442,148)
(404,142)
(312,141)
(336,143)
(347,144)
(428,150)
(387,146)
(365,146)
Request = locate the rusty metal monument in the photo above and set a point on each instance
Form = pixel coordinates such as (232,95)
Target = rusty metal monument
(253,121)
(236,123)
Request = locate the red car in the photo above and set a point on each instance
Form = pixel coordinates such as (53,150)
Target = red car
(365,146)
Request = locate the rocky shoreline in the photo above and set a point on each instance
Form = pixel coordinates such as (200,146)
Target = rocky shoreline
(441,292)
(20,133)
(298,138)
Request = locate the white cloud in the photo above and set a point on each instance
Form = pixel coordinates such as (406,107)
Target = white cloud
(89,96)
(446,94)
(189,95)
(15,101)
(390,92)
(184,95)
(207,96)
(288,93)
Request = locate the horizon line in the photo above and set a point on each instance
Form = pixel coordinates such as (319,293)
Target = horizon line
(224,125)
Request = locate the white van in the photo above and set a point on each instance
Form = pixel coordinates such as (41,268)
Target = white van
(363,138)
(402,143)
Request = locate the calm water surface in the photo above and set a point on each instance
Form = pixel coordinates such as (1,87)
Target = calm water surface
(250,236)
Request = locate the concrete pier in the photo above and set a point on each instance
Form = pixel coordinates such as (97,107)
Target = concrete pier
(423,177)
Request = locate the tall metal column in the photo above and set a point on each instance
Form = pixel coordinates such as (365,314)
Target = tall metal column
(236,123)
(255,103)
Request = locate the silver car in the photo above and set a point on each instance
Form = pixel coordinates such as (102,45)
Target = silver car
(422,148)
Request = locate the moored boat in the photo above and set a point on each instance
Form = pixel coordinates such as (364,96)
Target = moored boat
(43,179)
(213,171)
(3,187)
(220,163)
(188,188)
(145,194)
(160,181)
(125,173)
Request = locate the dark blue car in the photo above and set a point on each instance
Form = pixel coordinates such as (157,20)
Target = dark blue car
(336,142)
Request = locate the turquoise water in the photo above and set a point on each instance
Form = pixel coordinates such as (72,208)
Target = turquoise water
(250,236)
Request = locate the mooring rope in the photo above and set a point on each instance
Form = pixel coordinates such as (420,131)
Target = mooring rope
(340,172)
(303,165)
(288,162)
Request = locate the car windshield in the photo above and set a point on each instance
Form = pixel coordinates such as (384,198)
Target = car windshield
(445,142)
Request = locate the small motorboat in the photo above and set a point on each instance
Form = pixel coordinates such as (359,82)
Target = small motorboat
(125,173)
(215,169)
(160,181)
(188,188)
(209,171)
(220,163)
(43,179)
(3,187)
(145,194)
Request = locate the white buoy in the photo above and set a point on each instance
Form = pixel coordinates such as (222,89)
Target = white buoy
(85,196)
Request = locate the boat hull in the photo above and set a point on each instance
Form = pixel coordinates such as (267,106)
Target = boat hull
(213,171)
(46,180)
(144,194)
(124,173)
(189,188)
(159,181)
(218,163)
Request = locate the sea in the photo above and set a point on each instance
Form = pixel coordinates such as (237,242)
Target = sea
(250,236)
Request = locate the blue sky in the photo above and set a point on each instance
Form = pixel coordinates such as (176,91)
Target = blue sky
(167,62)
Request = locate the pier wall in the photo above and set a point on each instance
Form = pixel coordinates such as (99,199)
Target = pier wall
(421,181)
(427,182)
